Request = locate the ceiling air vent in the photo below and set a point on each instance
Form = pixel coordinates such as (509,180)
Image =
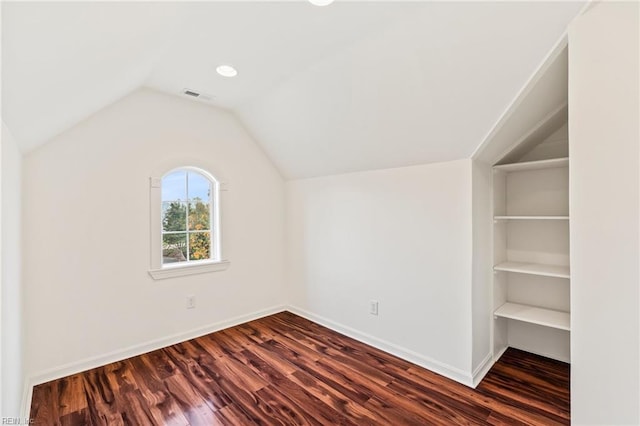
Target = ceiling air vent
(191,93)
(198,95)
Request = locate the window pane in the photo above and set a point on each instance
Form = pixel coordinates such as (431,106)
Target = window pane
(174,248)
(199,188)
(199,245)
(174,216)
(174,186)
(199,215)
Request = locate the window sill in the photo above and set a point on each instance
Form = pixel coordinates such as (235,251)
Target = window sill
(180,271)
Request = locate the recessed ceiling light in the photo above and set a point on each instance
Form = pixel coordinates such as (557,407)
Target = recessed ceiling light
(227,71)
(321,2)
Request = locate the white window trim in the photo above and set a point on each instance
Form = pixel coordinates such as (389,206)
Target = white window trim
(193,269)
(159,271)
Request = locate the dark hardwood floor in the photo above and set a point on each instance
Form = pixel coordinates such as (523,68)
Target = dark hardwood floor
(285,370)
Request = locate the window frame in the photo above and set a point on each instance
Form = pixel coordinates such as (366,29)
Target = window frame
(217,262)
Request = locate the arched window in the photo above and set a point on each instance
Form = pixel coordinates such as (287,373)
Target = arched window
(186,221)
(189,217)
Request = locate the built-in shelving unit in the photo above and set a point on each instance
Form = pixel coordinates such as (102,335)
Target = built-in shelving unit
(540,269)
(531,217)
(531,255)
(533,165)
(534,315)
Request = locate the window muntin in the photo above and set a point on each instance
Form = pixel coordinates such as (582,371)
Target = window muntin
(189,217)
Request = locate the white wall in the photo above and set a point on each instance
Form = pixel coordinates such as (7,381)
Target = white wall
(86,233)
(481,287)
(604,144)
(399,236)
(11,320)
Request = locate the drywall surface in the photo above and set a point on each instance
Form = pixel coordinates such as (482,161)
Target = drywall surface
(541,102)
(401,237)
(87,232)
(481,288)
(354,112)
(12,377)
(555,145)
(604,144)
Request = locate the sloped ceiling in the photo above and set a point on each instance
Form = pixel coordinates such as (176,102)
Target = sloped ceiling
(351,86)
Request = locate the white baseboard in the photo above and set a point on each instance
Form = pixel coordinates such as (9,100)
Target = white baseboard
(453,373)
(482,369)
(27,393)
(545,354)
(131,351)
(497,356)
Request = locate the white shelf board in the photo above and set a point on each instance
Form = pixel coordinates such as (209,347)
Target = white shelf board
(534,315)
(533,165)
(534,269)
(531,217)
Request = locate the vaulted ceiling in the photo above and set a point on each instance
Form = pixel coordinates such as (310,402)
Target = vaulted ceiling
(352,86)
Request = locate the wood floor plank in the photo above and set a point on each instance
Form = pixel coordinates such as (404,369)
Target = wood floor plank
(256,331)
(101,399)
(500,419)
(192,405)
(295,334)
(298,349)
(79,417)
(240,374)
(390,414)
(370,385)
(309,403)
(119,379)
(159,363)
(232,341)
(351,347)
(282,410)
(419,383)
(44,404)
(277,362)
(138,412)
(346,387)
(509,402)
(268,372)
(333,350)
(287,370)
(523,379)
(331,396)
(232,415)
(442,404)
(192,369)
(162,406)
(360,367)
(72,398)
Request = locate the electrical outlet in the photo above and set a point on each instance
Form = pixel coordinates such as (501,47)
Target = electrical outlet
(191,302)
(373,307)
